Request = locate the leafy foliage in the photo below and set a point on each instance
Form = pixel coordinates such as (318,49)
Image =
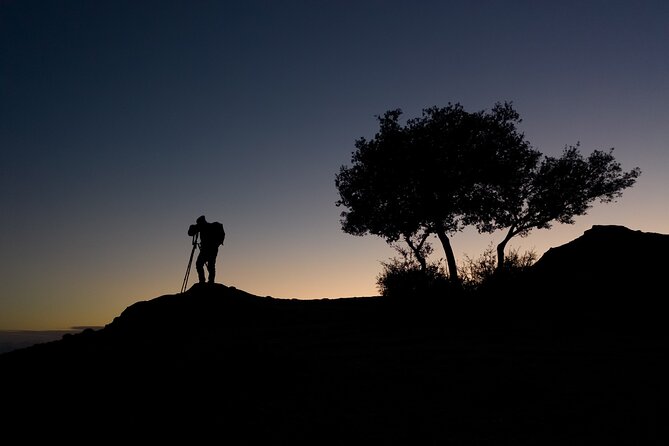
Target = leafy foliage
(555,190)
(432,175)
(484,271)
(449,168)
(405,277)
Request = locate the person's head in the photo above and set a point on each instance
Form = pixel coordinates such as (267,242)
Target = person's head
(201,220)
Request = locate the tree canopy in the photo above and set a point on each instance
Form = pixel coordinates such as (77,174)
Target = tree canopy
(556,190)
(449,168)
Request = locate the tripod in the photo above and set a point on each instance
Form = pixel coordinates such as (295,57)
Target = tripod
(190,262)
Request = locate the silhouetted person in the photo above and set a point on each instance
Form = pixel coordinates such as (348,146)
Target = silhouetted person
(212,236)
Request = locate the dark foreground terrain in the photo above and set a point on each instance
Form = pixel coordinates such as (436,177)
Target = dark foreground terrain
(574,353)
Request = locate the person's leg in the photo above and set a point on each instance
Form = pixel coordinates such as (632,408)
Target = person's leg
(211,266)
(199,266)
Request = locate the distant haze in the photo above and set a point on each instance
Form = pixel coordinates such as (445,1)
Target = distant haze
(15,339)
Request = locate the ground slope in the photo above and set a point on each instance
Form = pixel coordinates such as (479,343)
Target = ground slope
(521,366)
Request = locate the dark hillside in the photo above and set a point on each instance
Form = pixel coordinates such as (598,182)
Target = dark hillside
(611,273)
(219,364)
(609,257)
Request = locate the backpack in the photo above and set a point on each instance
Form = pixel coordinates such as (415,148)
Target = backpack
(217,233)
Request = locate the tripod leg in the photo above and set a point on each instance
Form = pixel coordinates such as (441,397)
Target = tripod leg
(190,262)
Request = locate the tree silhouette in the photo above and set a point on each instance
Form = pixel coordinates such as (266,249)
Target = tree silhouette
(376,187)
(555,190)
(450,168)
(432,176)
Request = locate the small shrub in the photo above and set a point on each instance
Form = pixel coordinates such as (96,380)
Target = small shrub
(482,272)
(405,278)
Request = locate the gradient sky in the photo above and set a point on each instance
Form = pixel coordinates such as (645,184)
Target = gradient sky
(121,122)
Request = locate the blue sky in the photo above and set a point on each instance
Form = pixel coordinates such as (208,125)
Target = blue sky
(121,122)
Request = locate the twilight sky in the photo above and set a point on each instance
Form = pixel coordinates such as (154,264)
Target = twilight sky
(121,122)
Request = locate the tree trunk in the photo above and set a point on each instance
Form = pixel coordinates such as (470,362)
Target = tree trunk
(501,247)
(421,260)
(450,257)
(417,251)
